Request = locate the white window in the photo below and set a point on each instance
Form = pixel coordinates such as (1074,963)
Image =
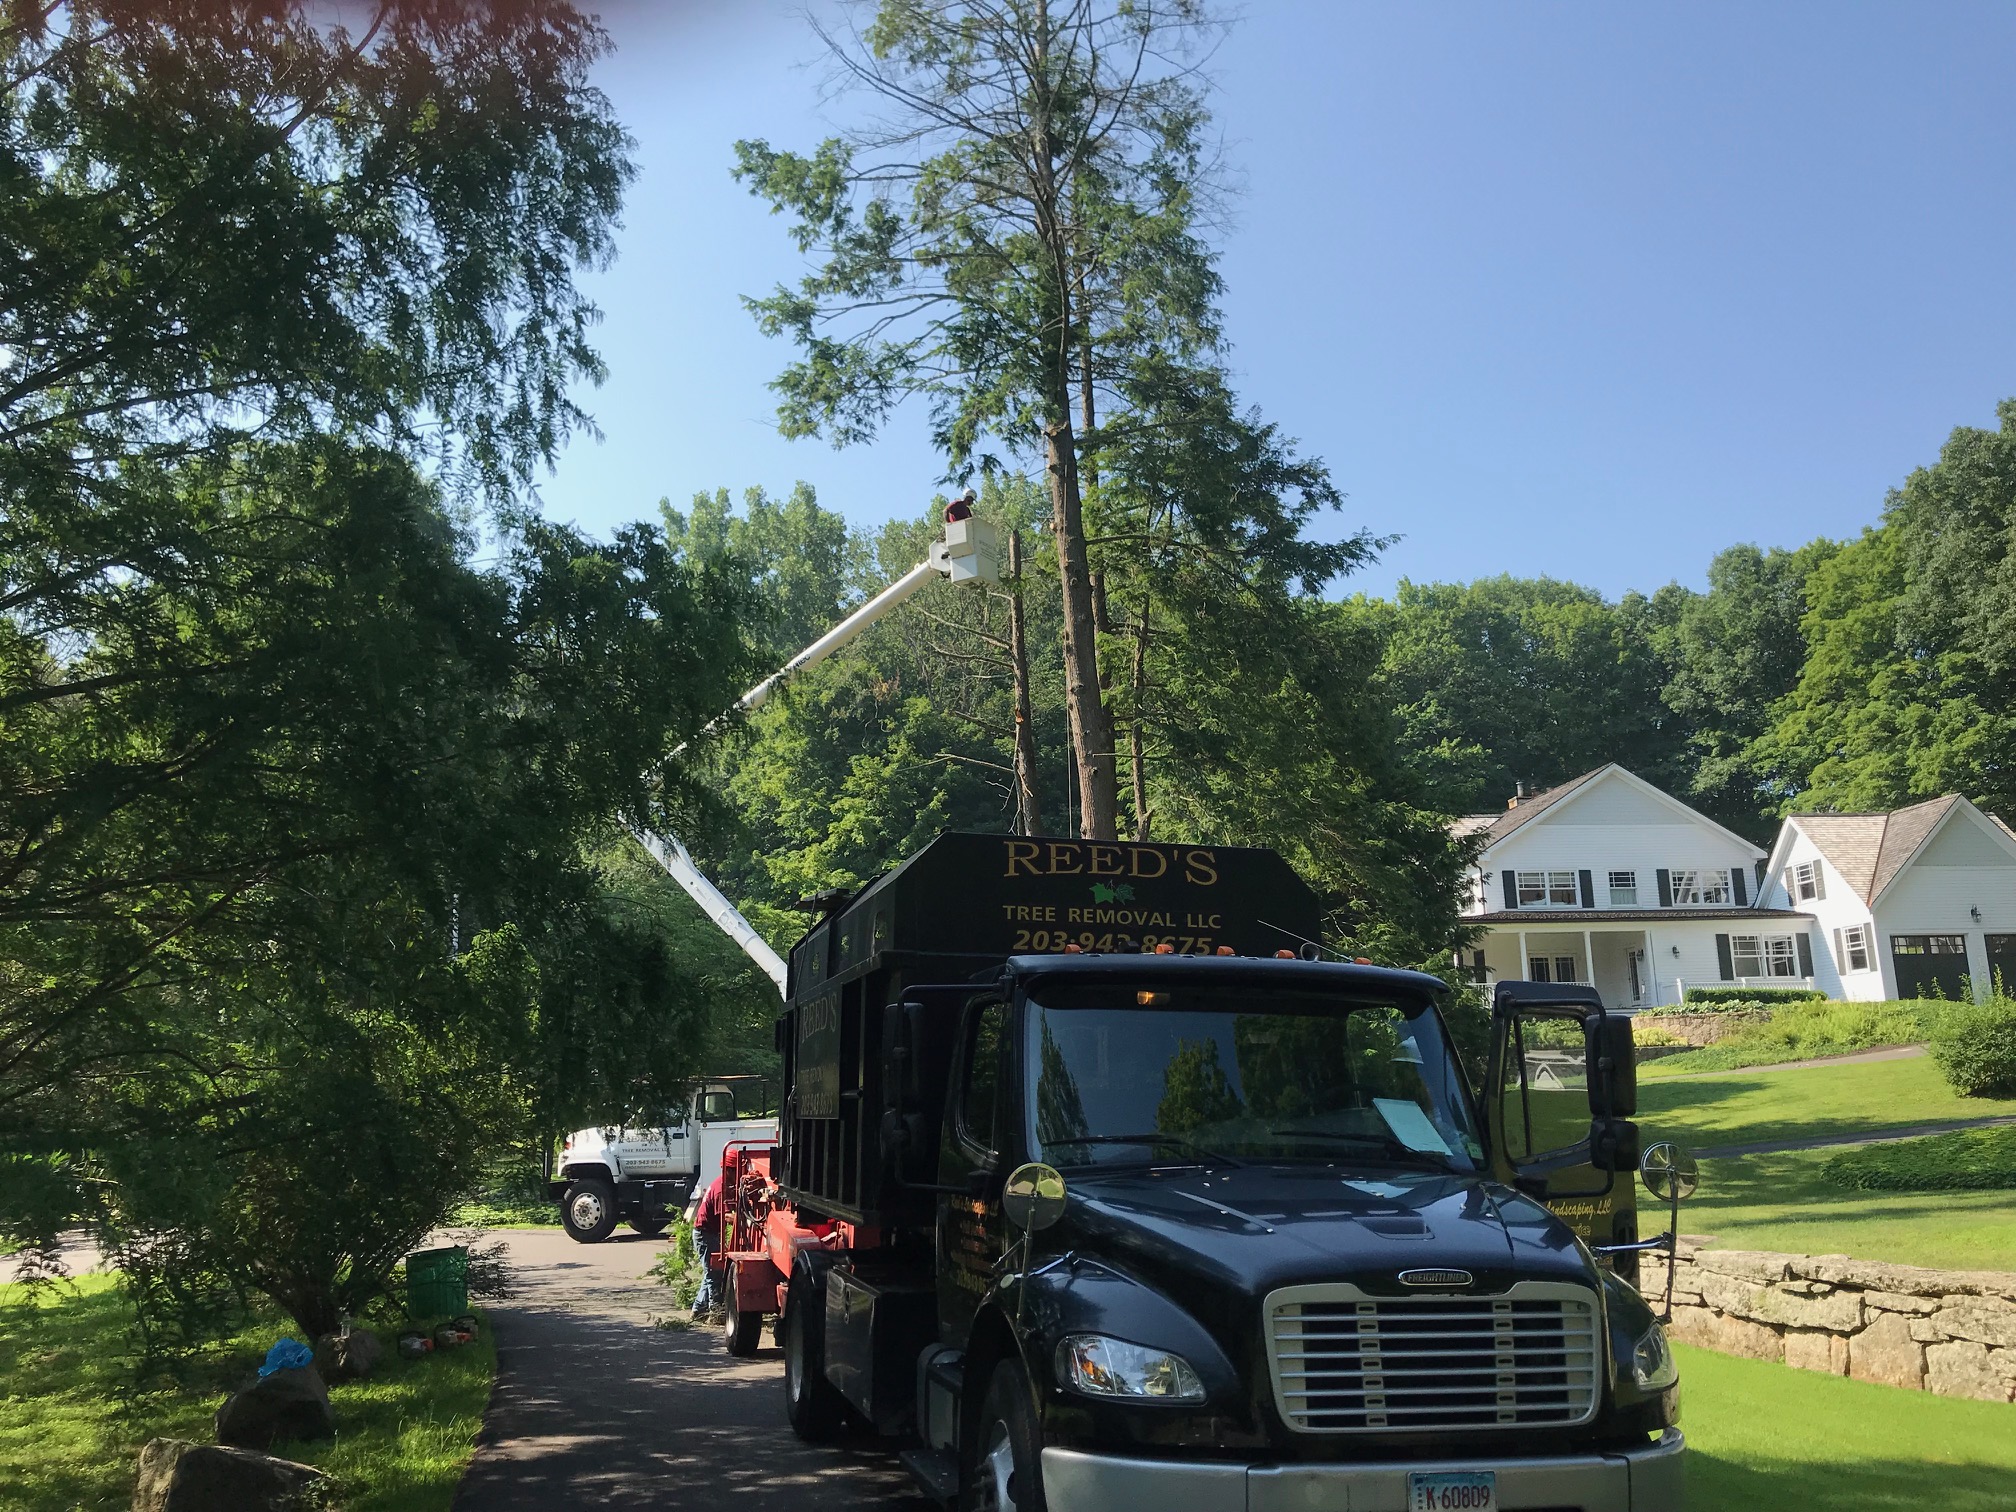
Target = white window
(1807,882)
(1539,970)
(1763,956)
(1623,889)
(1853,948)
(1551,969)
(1700,889)
(1548,889)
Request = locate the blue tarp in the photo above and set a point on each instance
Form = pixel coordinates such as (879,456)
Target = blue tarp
(287,1354)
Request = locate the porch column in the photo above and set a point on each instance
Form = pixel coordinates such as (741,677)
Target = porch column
(1525,960)
(1651,970)
(1589,955)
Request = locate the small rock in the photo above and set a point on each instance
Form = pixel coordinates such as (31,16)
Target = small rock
(291,1404)
(348,1357)
(177,1476)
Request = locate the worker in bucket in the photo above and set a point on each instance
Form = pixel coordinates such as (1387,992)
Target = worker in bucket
(707,1240)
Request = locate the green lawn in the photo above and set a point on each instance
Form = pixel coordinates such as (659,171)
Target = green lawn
(1745,1107)
(1781,1202)
(72,1417)
(1767,1438)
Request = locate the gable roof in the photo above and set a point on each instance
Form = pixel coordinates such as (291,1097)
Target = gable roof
(1869,850)
(1496,827)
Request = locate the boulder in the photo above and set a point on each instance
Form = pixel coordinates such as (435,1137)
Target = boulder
(176,1476)
(1816,1349)
(1965,1370)
(288,1404)
(1885,1352)
(348,1357)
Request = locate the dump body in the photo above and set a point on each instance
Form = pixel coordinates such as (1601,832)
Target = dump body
(952,915)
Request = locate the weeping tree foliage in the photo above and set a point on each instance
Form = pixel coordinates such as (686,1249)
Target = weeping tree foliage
(301,781)
(1013,232)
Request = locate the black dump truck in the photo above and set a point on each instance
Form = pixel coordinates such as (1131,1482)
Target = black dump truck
(1101,1193)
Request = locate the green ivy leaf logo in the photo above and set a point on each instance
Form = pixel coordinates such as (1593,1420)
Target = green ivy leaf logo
(1122,893)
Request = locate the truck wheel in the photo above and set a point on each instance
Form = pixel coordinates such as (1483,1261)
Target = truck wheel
(1003,1470)
(650,1228)
(588,1211)
(740,1331)
(816,1410)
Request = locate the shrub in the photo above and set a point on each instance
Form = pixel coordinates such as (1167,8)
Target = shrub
(1975,1160)
(1645,1036)
(1751,996)
(1975,1044)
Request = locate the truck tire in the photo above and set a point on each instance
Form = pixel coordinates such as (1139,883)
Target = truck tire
(815,1408)
(588,1211)
(650,1228)
(740,1331)
(1002,1469)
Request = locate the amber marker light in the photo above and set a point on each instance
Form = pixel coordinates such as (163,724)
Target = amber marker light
(1151,999)
(1225,950)
(1165,950)
(1284,955)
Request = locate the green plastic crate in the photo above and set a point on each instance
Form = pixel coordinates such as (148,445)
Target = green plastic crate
(437,1282)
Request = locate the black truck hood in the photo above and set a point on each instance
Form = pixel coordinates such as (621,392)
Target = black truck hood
(1252,1229)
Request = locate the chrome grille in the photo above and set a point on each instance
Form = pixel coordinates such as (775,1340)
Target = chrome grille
(1347,1362)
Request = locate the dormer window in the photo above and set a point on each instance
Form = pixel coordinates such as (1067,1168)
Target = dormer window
(1623,889)
(1700,889)
(1804,882)
(1547,889)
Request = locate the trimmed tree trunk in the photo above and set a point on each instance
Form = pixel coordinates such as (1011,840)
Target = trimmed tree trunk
(1027,805)
(1091,722)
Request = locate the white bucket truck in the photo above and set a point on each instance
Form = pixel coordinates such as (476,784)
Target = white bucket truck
(645,1175)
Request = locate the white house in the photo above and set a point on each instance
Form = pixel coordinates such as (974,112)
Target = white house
(1609,881)
(1908,904)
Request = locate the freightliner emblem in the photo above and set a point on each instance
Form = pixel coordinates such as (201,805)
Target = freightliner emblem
(1435,1278)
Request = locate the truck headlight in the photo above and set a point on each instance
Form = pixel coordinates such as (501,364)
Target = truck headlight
(1103,1367)
(1652,1362)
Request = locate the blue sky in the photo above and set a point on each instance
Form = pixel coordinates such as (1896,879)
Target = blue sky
(1590,291)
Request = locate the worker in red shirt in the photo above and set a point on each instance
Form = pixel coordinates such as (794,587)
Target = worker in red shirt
(707,1240)
(961,508)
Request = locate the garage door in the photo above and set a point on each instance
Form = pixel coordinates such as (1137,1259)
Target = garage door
(2002,961)
(1930,965)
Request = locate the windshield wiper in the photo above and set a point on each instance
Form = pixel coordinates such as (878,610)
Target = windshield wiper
(1173,1141)
(1406,1154)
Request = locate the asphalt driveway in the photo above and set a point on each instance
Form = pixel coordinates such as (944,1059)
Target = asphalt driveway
(596,1406)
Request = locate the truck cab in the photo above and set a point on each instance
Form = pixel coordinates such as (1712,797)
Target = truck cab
(1207,1227)
(644,1171)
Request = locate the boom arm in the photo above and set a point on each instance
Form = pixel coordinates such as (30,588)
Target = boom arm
(967,553)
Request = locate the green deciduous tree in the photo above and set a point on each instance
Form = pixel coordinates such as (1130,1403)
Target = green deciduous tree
(1510,680)
(1909,687)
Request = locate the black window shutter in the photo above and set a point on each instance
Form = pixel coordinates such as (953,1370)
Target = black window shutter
(1805,948)
(1588,890)
(1724,959)
(1760,878)
(1665,888)
(1736,881)
(1511,889)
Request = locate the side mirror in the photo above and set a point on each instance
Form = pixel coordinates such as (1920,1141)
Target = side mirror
(1670,1172)
(1034,1197)
(1613,1069)
(1613,1144)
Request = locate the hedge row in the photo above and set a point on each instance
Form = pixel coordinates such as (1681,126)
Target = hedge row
(1750,997)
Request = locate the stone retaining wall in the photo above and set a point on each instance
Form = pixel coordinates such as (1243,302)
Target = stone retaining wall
(1699,1029)
(1949,1332)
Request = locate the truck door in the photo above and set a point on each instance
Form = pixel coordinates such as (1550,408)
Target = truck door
(970,1234)
(1549,1043)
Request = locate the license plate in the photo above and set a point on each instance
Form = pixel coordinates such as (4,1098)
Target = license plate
(1465,1491)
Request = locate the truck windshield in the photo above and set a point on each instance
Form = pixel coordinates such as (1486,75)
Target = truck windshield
(1126,1077)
